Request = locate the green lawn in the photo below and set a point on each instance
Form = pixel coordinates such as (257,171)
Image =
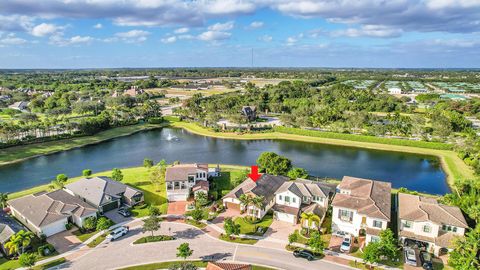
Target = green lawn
(97,241)
(12,154)
(136,177)
(8,264)
(151,239)
(251,229)
(163,265)
(84,236)
(49,264)
(238,240)
(197,224)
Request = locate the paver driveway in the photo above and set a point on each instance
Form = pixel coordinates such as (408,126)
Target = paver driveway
(64,241)
(177,208)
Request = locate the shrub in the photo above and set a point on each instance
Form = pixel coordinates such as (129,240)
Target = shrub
(68,226)
(90,223)
(103,223)
(155,238)
(87,172)
(117,174)
(155,120)
(27,259)
(45,250)
(147,163)
(153,211)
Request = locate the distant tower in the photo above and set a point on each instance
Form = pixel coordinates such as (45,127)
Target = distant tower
(252,57)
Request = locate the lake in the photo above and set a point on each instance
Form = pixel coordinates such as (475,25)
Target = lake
(415,172)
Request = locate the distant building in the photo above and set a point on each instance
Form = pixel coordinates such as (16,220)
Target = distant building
(250,112)
(394,91)
(20,106)
(134,91)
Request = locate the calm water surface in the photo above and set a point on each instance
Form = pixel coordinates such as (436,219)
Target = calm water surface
(414,172)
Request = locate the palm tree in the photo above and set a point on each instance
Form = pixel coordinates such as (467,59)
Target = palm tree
(257,202)
(3,199)
(245,200)
(20,239)
(309,218)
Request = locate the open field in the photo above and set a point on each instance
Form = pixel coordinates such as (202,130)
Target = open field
(453,166)
(18,153)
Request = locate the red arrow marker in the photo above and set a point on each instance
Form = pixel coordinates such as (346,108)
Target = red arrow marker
(254,175)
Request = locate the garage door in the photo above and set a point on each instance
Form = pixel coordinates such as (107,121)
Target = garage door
(285,217)
(234,206)
(177,197)
(110,206)
(54,228)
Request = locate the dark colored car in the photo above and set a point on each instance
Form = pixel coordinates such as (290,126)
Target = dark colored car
(426,260)
(303,253)
(124,212)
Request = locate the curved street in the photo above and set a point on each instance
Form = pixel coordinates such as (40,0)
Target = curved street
(122,253)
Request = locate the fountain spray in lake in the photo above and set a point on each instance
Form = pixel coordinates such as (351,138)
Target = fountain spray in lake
(170,137)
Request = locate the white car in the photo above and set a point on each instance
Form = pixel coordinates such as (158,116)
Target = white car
(346,244)
(117,233)
(410,257)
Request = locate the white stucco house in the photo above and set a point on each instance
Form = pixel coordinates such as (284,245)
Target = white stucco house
(287,199)
(181,178)
(394,91)
(425,222)
(48,213)
(361,207)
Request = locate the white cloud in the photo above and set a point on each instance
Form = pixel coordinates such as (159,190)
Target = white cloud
(167,40)
(46,29)
(61,41)
(11,39)
(378,31)
(214,36)
(265,38)
(227,7)
(221,26)
(291,40)
(11,23)
(98,26)
(256,25)
(182,30)
(133,36)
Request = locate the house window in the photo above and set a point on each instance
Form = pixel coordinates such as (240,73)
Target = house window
(191,179)
(345,215)
(305,198)
(407,224)
(294,200)
(427,228)
(279,197)
(183,185)
(320,199)
(377,224)
(449,228)
(375,239)
(287,199)
(177,185)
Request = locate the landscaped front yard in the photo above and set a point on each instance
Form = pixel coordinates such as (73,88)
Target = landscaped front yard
(250,228)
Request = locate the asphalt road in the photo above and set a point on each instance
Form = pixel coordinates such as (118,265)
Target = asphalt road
(122,252)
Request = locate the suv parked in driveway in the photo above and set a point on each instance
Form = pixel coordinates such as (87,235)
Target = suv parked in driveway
(117,233)
(303,253)
(410,257)
(346,244)
(124,212)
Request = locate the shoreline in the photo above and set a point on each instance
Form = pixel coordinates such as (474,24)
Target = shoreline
(451,164)
(89,140)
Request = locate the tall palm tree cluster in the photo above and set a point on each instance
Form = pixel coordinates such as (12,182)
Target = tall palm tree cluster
(255,201)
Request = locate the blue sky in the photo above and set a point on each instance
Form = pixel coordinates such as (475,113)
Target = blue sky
(206,33)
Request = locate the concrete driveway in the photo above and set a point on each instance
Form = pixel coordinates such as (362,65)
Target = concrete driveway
(64,241)
(280,230)
(116,217)
(232,213)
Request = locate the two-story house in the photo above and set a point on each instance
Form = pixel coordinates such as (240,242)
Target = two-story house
(181,178)
(264,187)
(361,207)
(296,197)
(425,222)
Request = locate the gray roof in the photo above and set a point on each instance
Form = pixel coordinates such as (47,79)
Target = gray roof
(303,187)
(8,227)
(100,190)
(265,186)
(180,172)
(45,208)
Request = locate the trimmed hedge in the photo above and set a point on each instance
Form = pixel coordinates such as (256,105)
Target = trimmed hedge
(172,118)
(155,238)
(363,138)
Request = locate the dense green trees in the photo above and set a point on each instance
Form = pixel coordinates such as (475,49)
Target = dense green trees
(273,163)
